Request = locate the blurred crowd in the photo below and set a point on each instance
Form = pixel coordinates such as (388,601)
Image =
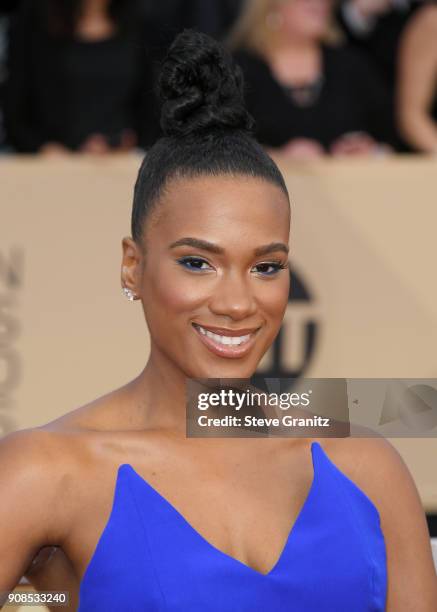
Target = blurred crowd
(323,77)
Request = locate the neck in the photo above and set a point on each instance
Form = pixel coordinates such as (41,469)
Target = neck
(158,396)
(159,392)
(295,61)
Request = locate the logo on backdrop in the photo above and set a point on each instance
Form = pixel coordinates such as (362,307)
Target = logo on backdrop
(11,281)
(294,346)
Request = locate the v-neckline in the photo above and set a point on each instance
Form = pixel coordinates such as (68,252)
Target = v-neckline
(215,549)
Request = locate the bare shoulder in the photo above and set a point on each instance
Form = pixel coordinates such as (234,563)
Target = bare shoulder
(44,486)
(31,452)
(44,444)
(54,460)
(36,480)
(109,412)
(35,464)
(378,469)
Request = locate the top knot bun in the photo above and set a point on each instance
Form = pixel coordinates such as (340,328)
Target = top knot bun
(201,87)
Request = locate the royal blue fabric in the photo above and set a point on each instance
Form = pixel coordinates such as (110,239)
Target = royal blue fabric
(149,558)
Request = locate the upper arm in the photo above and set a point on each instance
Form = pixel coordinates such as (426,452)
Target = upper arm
(29,494)
(412,579)
(418,62)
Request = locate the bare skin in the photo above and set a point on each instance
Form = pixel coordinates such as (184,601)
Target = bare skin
(418,80)
(57,481)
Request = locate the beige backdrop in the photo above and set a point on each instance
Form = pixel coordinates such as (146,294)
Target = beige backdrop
(363,241)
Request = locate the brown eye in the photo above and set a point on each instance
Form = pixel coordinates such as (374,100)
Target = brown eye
(274,268)
(192,263)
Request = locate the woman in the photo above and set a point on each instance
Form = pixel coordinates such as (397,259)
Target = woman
(309,95)
(417,92)
(79,77)
(152,520)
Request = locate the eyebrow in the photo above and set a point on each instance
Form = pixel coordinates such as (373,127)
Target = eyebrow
(214,248)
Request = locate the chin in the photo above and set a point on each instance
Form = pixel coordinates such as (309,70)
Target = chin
(229,369)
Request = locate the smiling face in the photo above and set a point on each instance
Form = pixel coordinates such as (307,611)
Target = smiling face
(214,280)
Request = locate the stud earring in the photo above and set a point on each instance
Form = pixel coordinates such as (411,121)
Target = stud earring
(131,295)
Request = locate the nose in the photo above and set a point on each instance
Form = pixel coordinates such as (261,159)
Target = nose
(233,297)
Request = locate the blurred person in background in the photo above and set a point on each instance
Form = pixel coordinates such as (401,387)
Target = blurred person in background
(309,95)
(417,91)
(375,26)
(3,38)
(78,77)
(6,9)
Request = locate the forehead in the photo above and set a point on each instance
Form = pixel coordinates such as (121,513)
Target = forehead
(224,207)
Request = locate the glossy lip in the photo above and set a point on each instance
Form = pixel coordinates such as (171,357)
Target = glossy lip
(226,350)
(223,331)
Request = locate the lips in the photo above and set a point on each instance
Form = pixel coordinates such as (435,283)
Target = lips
(221,341)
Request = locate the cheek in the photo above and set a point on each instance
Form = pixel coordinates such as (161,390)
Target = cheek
(272,297)
(178,294)
(171,293)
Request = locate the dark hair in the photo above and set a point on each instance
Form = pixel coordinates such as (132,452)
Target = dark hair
(207,130)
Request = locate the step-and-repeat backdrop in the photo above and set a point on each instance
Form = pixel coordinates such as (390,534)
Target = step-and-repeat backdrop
(363,300)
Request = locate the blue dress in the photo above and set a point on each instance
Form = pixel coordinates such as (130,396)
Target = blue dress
(150,559)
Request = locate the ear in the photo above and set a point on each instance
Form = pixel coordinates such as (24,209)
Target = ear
(131,266)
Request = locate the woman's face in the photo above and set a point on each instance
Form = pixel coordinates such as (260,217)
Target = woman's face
(305,18)
(220,281)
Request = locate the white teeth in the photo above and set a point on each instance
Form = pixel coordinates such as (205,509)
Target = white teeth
(224,339)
